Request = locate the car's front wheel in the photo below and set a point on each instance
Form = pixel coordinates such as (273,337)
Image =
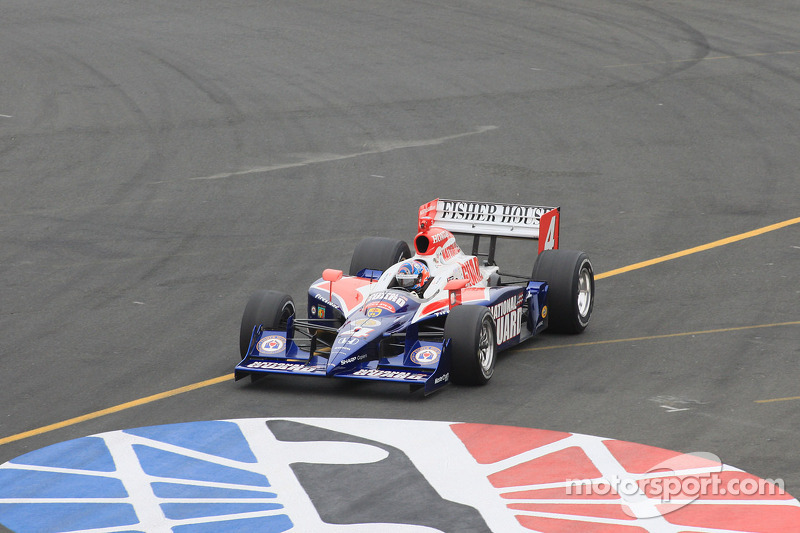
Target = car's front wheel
(473,344)
(270,309)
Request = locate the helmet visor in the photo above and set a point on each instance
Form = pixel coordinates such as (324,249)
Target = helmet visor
(407,280)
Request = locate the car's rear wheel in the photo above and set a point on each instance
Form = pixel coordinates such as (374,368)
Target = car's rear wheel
(270,309)
(378,253)
(570,297)
(473,344)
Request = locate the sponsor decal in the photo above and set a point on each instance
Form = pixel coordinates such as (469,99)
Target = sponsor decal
(390,374)
(544,312)
(507,318)
(354,359)
(314,310)
(386,306)
(471,270)
(523,215)
(341,341)
(436,238)
(450,252)
(271,344)
(396,299)
(372,312)
(321,312)
(272,365)
(443,377)
(320,298)
(426,355)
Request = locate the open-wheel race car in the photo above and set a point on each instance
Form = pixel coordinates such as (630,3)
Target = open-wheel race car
(438,316)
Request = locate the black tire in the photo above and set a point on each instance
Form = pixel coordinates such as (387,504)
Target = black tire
(473,344)
(570,298)
(378,253)
(271,309)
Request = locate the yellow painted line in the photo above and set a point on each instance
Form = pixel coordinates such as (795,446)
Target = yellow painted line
(656,337)
(779,399)
(702,248)
(708,58)
(115,409)
(673,335)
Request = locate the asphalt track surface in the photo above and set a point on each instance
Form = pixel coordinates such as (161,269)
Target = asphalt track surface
(161,161)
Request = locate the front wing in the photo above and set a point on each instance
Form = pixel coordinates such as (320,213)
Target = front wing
(276,352)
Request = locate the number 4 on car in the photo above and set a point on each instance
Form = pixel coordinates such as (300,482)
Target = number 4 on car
(426,319)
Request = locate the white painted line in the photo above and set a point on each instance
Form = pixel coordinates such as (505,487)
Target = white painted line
(671,409)
(6,116)
(378,148)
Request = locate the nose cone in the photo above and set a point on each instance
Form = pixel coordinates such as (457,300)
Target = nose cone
(356,343)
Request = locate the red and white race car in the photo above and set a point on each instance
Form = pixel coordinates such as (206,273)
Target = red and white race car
(426,319)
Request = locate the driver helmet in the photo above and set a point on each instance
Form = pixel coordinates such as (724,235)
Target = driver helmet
(412,275)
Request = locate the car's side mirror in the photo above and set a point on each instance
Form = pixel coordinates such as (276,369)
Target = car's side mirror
(456,284)
(454,287)
(332,275)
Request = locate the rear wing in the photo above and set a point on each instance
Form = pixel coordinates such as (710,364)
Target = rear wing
(493,219)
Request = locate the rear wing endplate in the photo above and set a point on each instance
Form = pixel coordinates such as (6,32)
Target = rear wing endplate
(501,220)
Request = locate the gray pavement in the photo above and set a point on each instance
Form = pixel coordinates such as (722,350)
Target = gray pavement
(160,161)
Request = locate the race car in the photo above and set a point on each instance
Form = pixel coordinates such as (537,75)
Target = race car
(426,319)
